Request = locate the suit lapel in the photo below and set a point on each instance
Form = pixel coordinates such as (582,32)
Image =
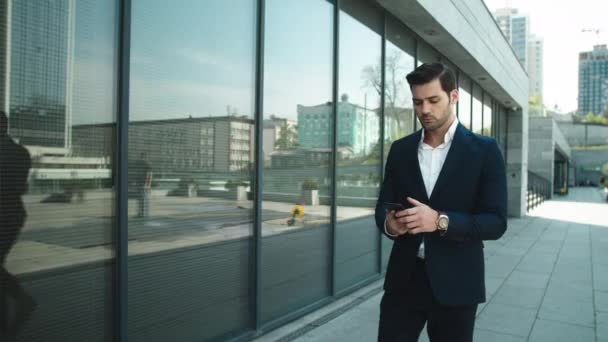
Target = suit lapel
(418,181)
(452,160)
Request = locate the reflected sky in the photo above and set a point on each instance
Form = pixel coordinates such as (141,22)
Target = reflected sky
(197,59)
(95,53)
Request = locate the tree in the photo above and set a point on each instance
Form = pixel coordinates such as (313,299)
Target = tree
(596,119)
(393,90)
(287,138)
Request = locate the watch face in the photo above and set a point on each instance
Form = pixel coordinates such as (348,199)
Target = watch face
(443,222)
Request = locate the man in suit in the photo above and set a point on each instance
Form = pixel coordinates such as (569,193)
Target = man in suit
(16,305)
(452,185)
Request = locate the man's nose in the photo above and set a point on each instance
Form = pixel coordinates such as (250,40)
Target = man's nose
(426,107)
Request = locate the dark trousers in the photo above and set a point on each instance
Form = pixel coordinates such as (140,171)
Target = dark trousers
(403,315)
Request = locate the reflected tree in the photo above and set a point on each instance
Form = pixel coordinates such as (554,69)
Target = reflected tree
(395,107)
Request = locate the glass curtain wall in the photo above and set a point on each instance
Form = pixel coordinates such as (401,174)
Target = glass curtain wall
(298,120)
(191,144)
(477,116)
(399,115)
(464,101)
(487,115)
(358,142)
(57,188)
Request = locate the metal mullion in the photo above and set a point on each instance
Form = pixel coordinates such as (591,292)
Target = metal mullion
(121,173)
(382,113)
(259,170)
(334,158)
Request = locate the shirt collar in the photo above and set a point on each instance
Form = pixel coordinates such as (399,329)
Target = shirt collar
(449,135)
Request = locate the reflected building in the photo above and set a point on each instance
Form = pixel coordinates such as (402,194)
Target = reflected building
(214,144)
(274,128)
(359,129)
(38,67)
(593,80)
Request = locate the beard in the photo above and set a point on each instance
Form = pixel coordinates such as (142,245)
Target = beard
(436,123)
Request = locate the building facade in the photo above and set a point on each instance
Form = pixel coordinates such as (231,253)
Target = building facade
(516,28)
(39,71)
(593,80)
(535,66)
(359,131)
(146,254)
(216,144)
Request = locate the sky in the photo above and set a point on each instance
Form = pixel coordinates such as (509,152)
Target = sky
(560,24)
(198,60)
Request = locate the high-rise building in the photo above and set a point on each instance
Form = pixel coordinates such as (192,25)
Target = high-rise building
(593,80)
(3,53)
(535,66)
(528,47)
(516,28)
(39,37)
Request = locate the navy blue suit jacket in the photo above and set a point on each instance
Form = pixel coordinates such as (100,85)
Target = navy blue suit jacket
(472,190)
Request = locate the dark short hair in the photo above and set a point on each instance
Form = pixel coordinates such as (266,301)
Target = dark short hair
(428,72)
(3,123)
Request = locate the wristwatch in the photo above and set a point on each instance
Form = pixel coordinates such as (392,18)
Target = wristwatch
(443,221)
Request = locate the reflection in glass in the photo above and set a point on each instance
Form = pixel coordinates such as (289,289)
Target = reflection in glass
(477,110)
(487,115)
(464,101)
(298,122)
(190,154)
(358,117)
(56,222)
(398,110)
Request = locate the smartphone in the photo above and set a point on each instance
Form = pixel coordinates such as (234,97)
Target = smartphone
(393,206)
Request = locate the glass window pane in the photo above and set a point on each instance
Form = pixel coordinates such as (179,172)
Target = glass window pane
(399,118)
(487,115)
(298,148)
(56,223)
(477,109)
(398,111)
(358,166)
(190,169)
(464,101)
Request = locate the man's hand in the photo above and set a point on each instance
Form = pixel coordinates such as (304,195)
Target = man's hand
(419,219)
(393,226)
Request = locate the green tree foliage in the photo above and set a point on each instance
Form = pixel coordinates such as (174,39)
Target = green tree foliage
(287,138)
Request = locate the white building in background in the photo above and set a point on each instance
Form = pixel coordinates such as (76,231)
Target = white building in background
(535,66)
(272,133)
(528,47)
(516,28)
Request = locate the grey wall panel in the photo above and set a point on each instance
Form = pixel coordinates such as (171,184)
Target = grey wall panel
(295,270)
(191,294)
(74,304)
(356,251)
(181,289)
(202,324)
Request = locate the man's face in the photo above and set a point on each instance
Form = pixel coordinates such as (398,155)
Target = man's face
(433,106)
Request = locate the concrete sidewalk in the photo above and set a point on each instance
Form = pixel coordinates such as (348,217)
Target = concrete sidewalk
(546,280)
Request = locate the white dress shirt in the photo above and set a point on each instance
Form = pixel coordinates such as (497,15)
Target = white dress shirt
(431,161)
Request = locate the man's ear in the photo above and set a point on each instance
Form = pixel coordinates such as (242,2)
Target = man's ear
(453,96)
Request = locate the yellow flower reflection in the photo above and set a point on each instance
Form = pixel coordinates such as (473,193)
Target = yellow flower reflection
(297,211)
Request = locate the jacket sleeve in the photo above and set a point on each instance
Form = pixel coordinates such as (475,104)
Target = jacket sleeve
(387,192)
(489,220)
